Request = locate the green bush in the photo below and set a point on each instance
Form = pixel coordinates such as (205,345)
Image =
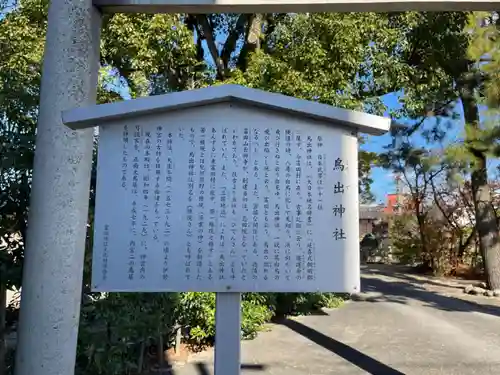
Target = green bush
(255,312)
(284,304)
(196,314)
(118,331)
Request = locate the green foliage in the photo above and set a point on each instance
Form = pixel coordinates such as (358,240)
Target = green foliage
(21,47)
(483,51)
(452,60)
(405,242)
(312,56)
(117,329)
(284,304)
(114,328)
(198,317)
(152,53)
(367,160)
(255,312)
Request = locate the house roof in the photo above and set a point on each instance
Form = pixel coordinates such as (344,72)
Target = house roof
(85,117)
(370,212)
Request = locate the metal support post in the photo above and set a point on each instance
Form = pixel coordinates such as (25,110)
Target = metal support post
(227,333)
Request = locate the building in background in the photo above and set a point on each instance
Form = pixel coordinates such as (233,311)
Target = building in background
(374,227)
(374,217)
(370,215)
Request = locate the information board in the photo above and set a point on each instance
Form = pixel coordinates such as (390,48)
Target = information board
(226,198)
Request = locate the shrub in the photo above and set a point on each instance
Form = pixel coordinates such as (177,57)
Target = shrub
(253,317)
(430,246)
(197,315)
(118,331)
(284,304)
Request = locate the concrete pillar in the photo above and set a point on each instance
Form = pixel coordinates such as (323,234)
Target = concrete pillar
(52,278)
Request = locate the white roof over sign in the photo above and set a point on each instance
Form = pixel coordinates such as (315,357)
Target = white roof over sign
(97,115)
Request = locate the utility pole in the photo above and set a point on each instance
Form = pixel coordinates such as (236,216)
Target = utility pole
(398,207)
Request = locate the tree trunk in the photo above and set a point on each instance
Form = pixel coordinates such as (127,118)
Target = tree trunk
(421,229)
(464,245)
(252,40)
(487,230)
(3,343)
(161,354)
(427,260)
(486,221)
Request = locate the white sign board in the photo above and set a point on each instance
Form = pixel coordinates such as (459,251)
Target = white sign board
(226,197)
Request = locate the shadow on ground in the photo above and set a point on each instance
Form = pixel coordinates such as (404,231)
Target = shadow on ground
(405,273)
(348,353)
(401,288)
(204,368)
(409,288)
(369,364)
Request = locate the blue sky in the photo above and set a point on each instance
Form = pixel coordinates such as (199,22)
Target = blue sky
(383,181)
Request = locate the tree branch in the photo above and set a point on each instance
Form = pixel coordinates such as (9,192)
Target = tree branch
(252,39)
(209,37)
(438,204)
(230,44)
(374,93)
(413,128)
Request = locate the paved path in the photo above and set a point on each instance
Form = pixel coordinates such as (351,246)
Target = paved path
(395,327)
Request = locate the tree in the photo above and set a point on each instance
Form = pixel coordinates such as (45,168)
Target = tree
(439,75)
(481,78)
(367,160)
(19,83)
(419,169)
(479,143)
(456,210)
